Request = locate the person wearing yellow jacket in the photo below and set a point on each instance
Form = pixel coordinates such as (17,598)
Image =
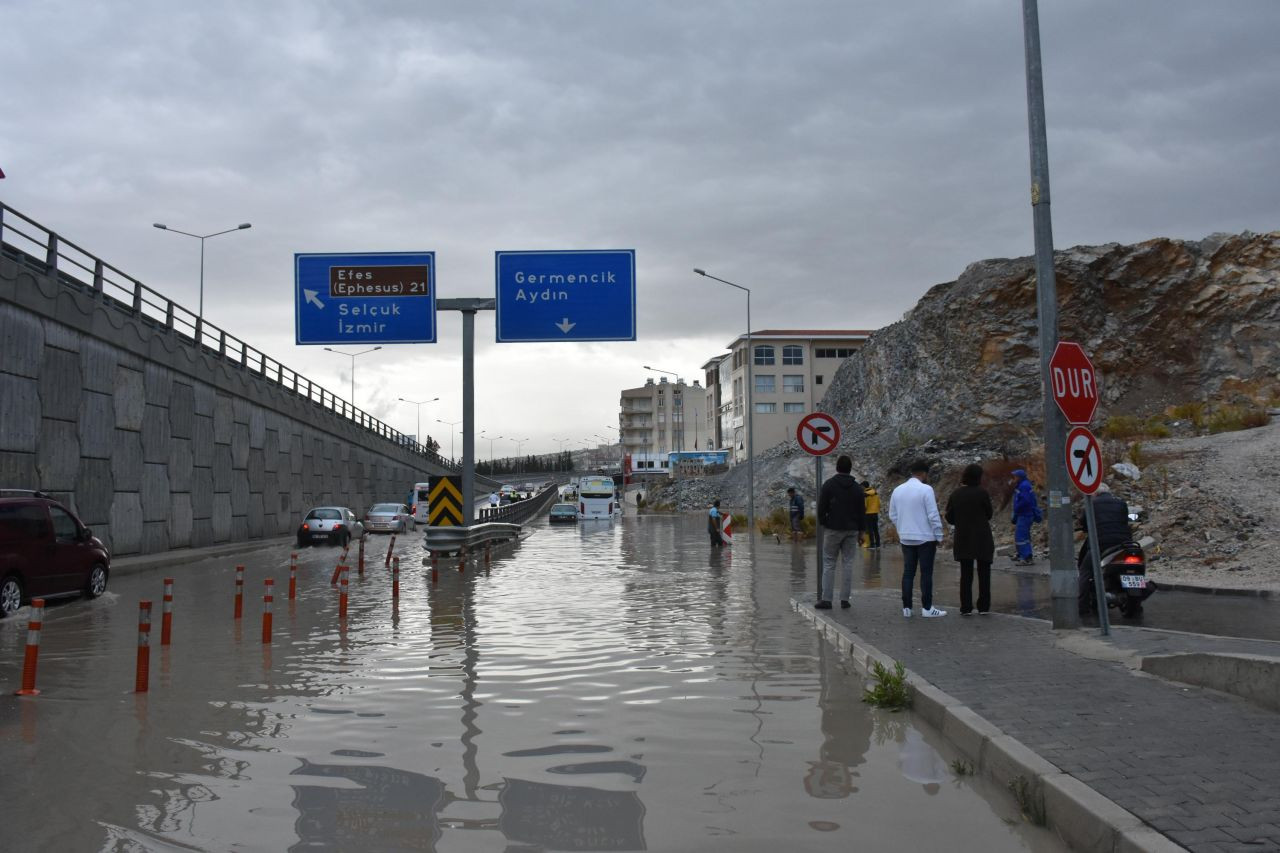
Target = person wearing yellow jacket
(871,519)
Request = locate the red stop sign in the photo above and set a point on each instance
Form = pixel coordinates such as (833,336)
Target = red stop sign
(1073,383)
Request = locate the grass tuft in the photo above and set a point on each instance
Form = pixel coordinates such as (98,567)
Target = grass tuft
(890,690)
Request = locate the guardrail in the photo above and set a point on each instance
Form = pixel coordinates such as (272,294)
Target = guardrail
(452,540)
(520,511)
(26,240)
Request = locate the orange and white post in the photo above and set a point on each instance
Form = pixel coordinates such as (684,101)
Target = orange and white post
(342,593)
(268,601)
(239,591)
(143,674)
(293,577)
(34,624)
(395,578)
(166,613)
(435,572)
(390,550)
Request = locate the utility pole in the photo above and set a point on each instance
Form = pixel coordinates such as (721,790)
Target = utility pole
(1062,574)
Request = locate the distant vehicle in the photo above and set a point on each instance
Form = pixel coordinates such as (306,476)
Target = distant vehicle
(530,487)
(507,494)
(420,508)
(563,514)
(46,552)
(389,518)
(333,525)
(596,498)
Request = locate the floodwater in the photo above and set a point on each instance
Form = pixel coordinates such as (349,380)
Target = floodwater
(603,687)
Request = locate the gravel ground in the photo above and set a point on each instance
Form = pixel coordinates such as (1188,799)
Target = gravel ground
(1211,505)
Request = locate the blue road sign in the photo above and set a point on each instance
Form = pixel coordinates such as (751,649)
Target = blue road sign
(359,298)
(566,296)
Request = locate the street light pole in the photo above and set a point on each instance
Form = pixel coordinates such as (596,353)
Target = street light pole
(202,238)
(352,356)
(453,429)
(492,439)
(418,403)
(519,442)
(751,433)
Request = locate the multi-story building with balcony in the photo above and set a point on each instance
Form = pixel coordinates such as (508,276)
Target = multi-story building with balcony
(659,417)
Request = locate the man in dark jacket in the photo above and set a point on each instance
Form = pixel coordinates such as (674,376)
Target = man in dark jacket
(840,510)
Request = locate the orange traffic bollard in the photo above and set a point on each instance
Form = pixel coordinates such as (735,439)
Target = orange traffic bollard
(360,567)
(268,599)
(395,578)
(342,593)
(34,624)
(166,613)
(390,550)
(144,647)
(239,591)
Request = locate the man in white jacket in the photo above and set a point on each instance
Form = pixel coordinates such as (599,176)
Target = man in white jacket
(913,511)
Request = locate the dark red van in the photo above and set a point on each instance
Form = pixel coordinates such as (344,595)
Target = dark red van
(45,552)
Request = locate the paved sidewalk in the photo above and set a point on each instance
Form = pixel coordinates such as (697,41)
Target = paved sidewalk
(1201,767)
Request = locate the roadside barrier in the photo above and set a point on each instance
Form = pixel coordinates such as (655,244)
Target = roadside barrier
(143,672)
(337,571)
(166,613)
(268,599)
(30,658)
(361,565)
(342,594)
(293,577)
(390,550)
(239,591)
(395,578)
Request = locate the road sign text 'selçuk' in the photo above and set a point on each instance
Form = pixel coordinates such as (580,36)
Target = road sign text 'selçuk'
(384,298)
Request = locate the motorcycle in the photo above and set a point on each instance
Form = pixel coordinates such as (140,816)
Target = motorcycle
(1124,579)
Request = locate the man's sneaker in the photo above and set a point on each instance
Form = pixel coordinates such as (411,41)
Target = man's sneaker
(906,611)
(822,605)
(845,603)
(933,613)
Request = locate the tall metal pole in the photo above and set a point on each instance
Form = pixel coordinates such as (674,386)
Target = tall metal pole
(1062,576)
(201,314)
(468,418)
(751,433)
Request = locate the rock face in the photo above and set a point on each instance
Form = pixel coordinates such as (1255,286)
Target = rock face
(958,378)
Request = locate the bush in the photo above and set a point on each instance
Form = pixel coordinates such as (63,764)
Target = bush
(1122,426)
(1232,418)
(1193,412)
(890,690)
(1155,427)
(778,523)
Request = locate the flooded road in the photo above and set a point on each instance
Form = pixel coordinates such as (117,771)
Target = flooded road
(609,687)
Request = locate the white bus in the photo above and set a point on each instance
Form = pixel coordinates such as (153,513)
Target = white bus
(418,505)
(597,498)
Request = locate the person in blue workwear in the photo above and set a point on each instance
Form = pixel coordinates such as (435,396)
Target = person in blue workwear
(1025,513)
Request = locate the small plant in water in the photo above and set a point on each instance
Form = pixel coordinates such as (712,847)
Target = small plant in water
(1032,808)
(960,767)
(890,690)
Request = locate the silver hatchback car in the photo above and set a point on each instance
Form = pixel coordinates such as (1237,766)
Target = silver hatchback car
(389,518)
(333,525)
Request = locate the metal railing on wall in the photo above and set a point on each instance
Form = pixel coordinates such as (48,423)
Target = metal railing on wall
(44,252)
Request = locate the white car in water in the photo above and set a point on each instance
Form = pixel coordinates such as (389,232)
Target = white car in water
(331,525)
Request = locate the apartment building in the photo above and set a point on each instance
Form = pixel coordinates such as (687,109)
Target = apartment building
(790,370)
(659,417)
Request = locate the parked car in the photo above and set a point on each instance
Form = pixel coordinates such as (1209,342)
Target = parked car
(333,525)
(46,552)
(389,518)
(563,514)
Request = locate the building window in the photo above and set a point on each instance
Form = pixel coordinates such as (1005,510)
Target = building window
(817,380)
(765,383)
(833,352)
(792,383)
(766,408)
(764,355)
(793,408)
(792,354)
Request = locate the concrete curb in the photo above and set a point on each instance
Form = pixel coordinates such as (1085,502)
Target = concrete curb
(1254,678)
(1213,590)
(143,562)
(1083,818)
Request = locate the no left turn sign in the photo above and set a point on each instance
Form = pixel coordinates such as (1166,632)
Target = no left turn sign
(1084,460)
(818,433)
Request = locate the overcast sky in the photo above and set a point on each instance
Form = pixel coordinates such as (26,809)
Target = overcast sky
(838,158)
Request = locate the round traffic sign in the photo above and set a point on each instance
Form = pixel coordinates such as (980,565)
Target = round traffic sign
(1073,382)
(1084,460)
(818,433)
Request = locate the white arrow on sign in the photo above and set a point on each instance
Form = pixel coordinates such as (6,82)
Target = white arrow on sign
(313,296)
(564,325)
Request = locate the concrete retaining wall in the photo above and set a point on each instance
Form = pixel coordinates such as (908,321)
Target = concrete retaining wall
(158,444)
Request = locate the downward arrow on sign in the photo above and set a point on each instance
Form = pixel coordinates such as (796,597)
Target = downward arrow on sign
(564,325)
(313,297)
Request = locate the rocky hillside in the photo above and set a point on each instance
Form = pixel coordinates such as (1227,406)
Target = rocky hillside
(1166,323)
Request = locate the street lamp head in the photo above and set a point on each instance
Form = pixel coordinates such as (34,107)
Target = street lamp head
(375,348)
(329,349)
(244,225)
(699,272)
(160,226)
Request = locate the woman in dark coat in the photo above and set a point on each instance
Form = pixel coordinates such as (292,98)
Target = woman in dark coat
(969,510)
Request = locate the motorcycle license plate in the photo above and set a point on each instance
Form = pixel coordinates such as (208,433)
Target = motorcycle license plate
(1133,582)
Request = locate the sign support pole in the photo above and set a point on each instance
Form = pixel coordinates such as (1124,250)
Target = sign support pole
(1062,576)
(1095,557)
(817,490)
(468,307)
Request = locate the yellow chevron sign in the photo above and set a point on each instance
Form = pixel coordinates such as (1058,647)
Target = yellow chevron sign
(445,502)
